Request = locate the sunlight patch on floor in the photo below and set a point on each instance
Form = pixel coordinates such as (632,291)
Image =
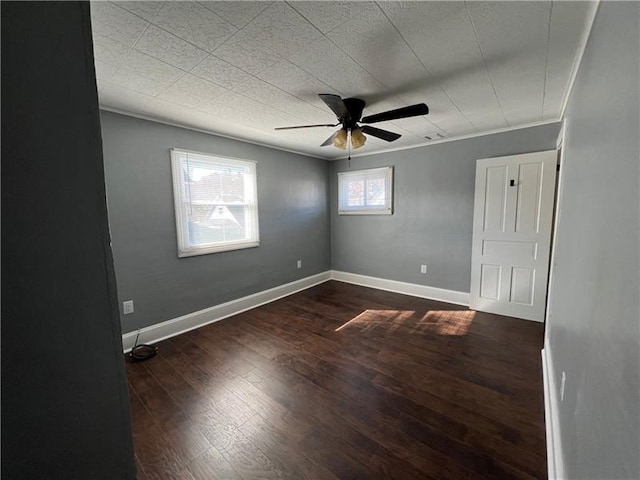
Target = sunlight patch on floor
(370,319)
(441,322)
(447,322)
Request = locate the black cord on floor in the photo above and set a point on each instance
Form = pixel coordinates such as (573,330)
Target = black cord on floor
(142,351)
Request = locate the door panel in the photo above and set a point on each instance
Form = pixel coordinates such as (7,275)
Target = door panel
(512,234)
(522,285)
(490,282)
(495,200)
(513,250)
(529,190)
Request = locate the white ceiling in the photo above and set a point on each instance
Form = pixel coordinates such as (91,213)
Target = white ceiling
(241,68)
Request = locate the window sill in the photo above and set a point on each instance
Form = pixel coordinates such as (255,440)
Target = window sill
(194,251)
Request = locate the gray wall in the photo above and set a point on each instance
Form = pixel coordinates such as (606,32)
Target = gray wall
(594,313)
(65,405)
(433,210)
(293,215)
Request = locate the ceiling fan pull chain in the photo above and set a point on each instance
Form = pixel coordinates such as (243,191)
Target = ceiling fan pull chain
(349,147)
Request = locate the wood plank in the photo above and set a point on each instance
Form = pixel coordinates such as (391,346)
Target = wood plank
(342,381)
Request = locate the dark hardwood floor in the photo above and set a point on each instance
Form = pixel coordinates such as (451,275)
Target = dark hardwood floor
(341,381)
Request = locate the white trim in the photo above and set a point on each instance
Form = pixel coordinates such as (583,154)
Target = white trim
(311,155)
(182,199)
(555,464)
(413,289)
(217,156)
(578,60)
(191,321)
(556,221)
(560,140)
(386,173)
(450,139)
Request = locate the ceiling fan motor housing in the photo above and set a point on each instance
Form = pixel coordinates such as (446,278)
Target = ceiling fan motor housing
(355,106)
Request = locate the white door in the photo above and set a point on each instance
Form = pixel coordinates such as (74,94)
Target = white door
(512,234)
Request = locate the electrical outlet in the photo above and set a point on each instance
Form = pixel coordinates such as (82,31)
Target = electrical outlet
(127,307)
(562,384)
(299,264)
(423,269)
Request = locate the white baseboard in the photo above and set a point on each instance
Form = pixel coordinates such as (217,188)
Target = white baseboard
(191,321)
(555,464)
(413,289)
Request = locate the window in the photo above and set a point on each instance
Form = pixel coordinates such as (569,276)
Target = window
(215,201)
(366,192)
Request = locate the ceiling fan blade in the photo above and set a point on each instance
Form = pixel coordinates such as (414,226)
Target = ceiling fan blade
(335,103)
(378,132)
(307,126)
(329,141)
(404,112)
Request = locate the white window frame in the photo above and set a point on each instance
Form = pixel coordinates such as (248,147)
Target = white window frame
(371,173)
(185,249)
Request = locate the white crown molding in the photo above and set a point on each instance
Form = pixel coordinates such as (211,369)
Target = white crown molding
(191,321)
(306,154)
(413,289)
(451,139)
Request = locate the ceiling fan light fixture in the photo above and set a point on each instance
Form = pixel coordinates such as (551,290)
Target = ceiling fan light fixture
(348,112)
(340,140)
(357,138)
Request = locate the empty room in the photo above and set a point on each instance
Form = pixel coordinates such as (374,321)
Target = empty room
(320,240)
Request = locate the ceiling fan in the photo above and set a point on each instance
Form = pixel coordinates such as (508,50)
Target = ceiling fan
(349,111)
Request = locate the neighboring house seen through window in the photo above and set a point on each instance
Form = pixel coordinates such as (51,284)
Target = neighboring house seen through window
(215,201)
(366,192)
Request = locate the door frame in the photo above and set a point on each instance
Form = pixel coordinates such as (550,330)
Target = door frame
(545,289)
(556,218)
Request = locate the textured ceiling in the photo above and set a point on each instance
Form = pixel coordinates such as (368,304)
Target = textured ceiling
(242,68)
